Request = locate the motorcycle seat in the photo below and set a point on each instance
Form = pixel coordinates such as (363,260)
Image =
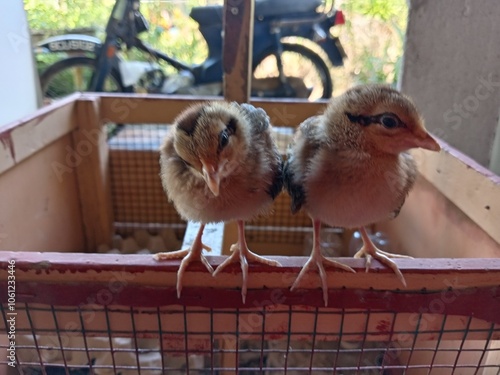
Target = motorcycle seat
(212,14)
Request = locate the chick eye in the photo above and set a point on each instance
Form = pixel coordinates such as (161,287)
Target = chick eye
(223,139)
(389,121)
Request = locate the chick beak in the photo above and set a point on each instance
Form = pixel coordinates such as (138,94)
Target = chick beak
(427,142)
(211,176)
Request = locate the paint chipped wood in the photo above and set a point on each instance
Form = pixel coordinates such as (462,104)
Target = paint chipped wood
(23,138)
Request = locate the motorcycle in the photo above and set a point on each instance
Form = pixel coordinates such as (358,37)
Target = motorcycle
(281,68)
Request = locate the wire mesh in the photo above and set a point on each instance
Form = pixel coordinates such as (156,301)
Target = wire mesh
(138,197)
(189,340)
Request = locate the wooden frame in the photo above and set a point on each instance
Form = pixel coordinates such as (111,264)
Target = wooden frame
(111,287)
(53,278)
(471,187)
(57,275)
(477,194)
(457,287)
(23,138)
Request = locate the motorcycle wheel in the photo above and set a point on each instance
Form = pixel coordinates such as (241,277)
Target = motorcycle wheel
(306,72)
(72,75)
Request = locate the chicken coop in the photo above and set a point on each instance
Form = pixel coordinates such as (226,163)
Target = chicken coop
(82,210)
(89,298)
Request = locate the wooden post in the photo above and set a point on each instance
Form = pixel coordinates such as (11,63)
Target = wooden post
(92,168)
(237,50)
(237,69)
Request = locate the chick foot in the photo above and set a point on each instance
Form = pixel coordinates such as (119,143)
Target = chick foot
(192,254)
(319,260)
(370,251)
(241,253)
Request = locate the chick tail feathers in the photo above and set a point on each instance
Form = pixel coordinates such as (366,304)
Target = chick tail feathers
(295,190)
(277,184)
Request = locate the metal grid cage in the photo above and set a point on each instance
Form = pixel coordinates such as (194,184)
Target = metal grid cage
(118,319)
(123,343)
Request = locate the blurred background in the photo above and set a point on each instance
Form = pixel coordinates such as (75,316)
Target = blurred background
(453,78)
(372,36)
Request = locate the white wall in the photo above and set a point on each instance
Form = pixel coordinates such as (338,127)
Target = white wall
(18,77)
(452,70)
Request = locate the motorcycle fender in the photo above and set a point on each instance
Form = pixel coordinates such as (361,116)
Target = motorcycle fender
(334,50)
(69,43)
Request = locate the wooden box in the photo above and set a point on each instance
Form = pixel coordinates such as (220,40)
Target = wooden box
(66,191)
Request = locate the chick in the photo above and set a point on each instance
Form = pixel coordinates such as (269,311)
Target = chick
(348,167)
(220,163)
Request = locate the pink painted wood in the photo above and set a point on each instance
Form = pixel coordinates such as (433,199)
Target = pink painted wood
(480,300)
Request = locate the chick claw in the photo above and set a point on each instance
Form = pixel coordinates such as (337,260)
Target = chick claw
(318,259)
(244,255)
(192,254)
(384,258)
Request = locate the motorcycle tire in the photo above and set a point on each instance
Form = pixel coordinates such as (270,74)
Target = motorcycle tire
(312,69)
(72,75)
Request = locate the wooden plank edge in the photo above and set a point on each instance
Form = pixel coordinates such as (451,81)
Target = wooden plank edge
(420,274)
(140,109)
(94,181)
(138,263)
(472,188)
(26,136)
(150,108)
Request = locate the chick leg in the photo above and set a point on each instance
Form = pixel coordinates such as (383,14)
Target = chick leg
(194,253)
(241,252)
(317,259)
(370,251)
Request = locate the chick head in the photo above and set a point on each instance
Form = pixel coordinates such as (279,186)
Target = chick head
(211,138)
(381,119)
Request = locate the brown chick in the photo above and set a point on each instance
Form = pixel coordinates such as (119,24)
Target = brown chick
(348,167)
(220,163)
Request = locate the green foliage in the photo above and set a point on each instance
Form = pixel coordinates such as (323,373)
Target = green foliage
(374,37)
(171,30)
(45,60)
(385,10)
(47,15)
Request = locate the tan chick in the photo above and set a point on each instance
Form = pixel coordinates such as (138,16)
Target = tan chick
(219,163)
(349,167)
